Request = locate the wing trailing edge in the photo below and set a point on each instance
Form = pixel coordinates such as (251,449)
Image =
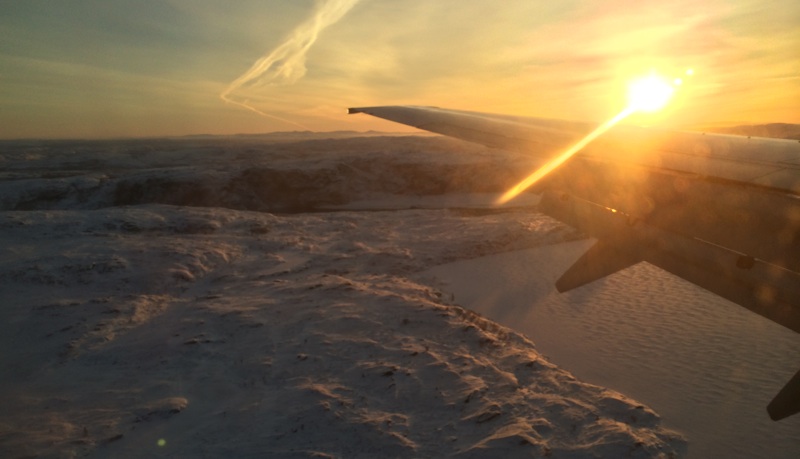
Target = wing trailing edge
(765,289)
(602,259)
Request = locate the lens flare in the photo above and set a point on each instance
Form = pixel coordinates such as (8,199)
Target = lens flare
(560,159)
(646,94)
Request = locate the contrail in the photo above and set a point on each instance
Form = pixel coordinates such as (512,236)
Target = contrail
(286,63)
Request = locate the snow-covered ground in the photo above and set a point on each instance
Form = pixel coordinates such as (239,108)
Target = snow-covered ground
(263,296)
(708,366)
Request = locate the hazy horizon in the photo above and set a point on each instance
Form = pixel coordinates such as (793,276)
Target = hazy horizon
(108,69)
(791,131)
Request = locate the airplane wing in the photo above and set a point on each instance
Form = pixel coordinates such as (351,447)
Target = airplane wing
(720,211)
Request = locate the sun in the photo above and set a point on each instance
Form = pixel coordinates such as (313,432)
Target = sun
(646,94)
(649,94)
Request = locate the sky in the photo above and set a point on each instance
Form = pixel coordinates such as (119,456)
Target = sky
(135,68)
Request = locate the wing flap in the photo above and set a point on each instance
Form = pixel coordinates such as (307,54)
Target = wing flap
(602,259)
(765,289)
(787,402)
(759,222)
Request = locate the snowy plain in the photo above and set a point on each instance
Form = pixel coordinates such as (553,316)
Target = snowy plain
(708,366)
(315,295)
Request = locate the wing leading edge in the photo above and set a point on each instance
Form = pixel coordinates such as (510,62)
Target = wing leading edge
(722,212)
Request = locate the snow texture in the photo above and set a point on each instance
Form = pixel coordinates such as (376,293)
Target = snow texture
(262,297)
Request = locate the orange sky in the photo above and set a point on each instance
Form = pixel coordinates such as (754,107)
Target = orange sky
(111,68)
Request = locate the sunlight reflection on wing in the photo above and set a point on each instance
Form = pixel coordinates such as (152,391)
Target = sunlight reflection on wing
(560,159)
(645,94)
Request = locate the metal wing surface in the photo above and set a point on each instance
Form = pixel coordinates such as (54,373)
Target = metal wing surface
(720,211)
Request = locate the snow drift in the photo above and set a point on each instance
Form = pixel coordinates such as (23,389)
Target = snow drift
(150,307)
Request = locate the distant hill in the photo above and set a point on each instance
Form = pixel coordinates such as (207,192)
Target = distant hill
(774,130)
(294,136)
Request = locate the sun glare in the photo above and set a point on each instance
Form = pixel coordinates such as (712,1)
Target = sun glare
(646,94)
(649,94)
